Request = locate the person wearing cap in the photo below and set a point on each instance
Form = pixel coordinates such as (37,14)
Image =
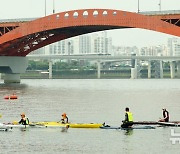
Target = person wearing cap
(64,119)
(165,116)
(128,122)
(24,120)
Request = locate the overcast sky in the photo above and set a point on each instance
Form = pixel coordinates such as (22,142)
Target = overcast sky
(11,9)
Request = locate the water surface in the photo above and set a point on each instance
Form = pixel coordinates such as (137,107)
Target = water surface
(87,101)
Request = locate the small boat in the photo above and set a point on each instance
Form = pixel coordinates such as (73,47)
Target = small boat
(133,127)
(70,125)
(85,125)
(49,124)
(4,127)
(11,97)
(173,124)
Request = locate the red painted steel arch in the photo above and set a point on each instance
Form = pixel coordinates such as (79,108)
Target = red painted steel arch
(43,31)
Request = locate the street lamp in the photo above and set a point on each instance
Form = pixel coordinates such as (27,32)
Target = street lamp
(45,7)
(53,7)
(159,5)
(138,6)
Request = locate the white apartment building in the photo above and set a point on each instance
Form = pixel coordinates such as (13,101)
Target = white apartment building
(125,51)
(101,43)
(173,47)
(96,43)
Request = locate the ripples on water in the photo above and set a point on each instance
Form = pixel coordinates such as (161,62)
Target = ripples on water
(87,101)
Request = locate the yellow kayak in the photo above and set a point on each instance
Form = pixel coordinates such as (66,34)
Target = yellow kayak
(85,125)
(50,124)
(71,125)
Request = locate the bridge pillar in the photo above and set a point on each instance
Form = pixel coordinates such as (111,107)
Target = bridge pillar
(172,69)
(133,73)
(149,69)
(98,69)
(12,67)
(12,78)
(134,68)
(178,69)
(50,69)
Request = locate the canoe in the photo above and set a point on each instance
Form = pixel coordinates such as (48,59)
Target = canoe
(16,126)
(85,125)
(173,124)
(133,127)
(71,125)
(4,127)
(49,124)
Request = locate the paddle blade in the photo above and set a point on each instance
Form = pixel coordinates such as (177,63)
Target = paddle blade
(0,115)
(15,123)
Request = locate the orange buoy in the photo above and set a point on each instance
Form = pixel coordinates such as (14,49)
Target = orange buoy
(11,97)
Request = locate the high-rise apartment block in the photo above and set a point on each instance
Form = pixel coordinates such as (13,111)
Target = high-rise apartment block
(96,43)
(173,47)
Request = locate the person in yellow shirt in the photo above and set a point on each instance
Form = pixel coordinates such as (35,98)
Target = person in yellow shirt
(128,122)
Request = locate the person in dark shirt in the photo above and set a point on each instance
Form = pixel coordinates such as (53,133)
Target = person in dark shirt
(165,116)
(24,120)
(64,119)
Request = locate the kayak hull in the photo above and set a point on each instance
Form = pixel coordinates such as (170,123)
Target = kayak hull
(169,124)
(134,127)
(85,125)
(71,125)
(4,127)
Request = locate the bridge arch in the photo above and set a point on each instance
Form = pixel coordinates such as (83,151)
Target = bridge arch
(46,30)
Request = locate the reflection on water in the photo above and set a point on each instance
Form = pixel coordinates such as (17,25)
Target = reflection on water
(128,132)
(89,101)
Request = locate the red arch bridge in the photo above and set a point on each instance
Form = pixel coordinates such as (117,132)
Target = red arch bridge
(19,37)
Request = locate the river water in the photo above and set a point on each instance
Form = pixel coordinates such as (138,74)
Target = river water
(90,101)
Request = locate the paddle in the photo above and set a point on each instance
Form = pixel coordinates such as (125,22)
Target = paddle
(0,115)
(15,122)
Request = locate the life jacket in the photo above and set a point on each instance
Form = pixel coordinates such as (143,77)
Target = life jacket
(130,117)
(27,121)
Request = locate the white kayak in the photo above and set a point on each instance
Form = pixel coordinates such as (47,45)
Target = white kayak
(4,127)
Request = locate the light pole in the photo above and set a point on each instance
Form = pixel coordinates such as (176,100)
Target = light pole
(53,7)
(45,7)
(138,6)
(160,5)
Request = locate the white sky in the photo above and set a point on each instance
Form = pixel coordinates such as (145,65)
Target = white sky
(11,9)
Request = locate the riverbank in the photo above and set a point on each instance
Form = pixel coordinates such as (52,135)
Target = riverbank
(91,74)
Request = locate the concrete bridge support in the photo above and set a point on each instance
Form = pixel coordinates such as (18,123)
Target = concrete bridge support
(12,78)
(133,73)
(178,69)
(12,67)
(98,69)
(50,69)
(134,68)
(172,69)
(149,69)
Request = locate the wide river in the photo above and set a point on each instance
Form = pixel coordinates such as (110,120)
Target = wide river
(90,101)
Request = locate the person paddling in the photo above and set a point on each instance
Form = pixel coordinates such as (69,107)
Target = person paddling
(64,119)
(165,116)
(24,120)
(128,122)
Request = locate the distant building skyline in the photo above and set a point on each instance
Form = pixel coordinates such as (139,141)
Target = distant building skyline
(99,43)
